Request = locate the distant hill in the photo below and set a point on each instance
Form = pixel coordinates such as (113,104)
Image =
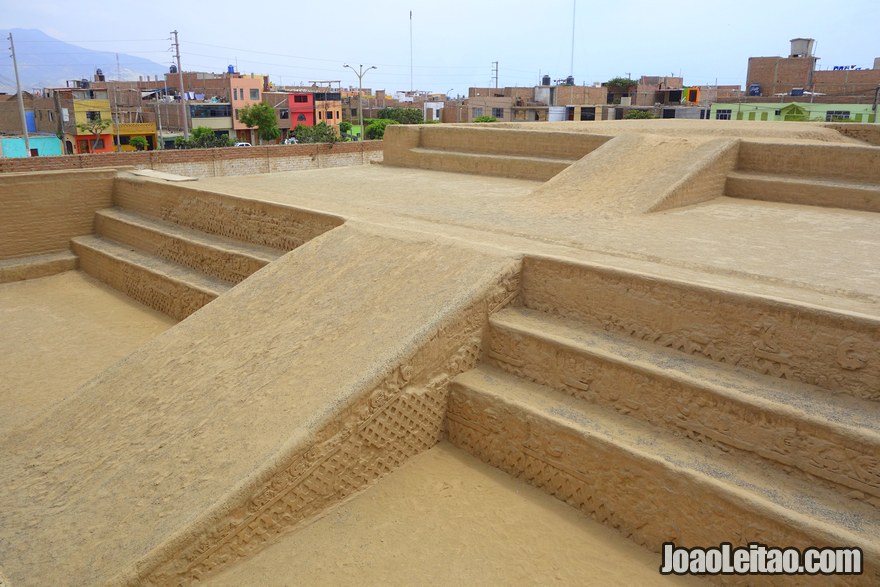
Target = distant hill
(45,62)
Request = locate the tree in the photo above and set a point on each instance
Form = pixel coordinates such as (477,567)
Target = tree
(344,128)
(376,129)
(262,117)
(637,114)
(402,115)
(202,138)
(320,133)
(618,86)
(139,143)
(95,126)
(621,82)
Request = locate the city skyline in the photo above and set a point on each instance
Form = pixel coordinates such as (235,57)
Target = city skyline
(455,46)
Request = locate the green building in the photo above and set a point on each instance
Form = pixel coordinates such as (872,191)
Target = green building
(796,111)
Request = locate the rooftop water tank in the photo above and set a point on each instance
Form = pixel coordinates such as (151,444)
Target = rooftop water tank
(802,47)
(173,69)
(545,81)
(230,69)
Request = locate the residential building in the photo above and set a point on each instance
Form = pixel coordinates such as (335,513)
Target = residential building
(328,108)
(302,109)
(246,90)
(65,111)
(769,78)
(41,145)
(280,103)
(794,111)
(529,104)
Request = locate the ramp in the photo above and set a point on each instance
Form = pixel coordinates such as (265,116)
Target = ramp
(288,393)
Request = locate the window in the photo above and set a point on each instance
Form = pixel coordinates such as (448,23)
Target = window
(235,95)
(92,115)
(835,115)
(723,114)
(284,113)
(236,113)
(301,99)
(329,115)
(300,117)
(498,112)
(255,94)
(51,116)
(478,112)
(354,112)
(320,115)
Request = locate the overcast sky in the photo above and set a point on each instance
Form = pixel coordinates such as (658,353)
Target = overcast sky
(455,42)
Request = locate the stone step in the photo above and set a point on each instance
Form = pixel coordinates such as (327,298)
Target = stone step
(512,166)
(162,285)
(835,350)
(221,257)
(833,436)
(823,161)
(832,193)
(242,219)
(505,141)
(34,266)
(652,486)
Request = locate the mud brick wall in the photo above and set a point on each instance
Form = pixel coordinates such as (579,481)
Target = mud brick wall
(213,162)
(40,214)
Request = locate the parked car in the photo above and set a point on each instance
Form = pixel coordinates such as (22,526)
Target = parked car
(243,145)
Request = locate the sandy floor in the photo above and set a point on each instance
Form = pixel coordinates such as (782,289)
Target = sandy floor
(725,236)
(59,332)
(446,518)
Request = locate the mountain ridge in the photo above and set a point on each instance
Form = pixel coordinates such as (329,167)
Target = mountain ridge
(46,62)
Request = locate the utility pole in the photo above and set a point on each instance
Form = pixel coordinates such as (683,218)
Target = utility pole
(183,117)
(573,9)
(495,72)
(410,53)
(117,121)
(360,73)
(27,140)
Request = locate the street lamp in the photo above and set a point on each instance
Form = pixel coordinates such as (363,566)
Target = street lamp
(361,72)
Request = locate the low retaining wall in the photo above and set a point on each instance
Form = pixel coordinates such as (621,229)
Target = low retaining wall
(213,162)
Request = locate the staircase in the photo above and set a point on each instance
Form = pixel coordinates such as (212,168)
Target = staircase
(839,176)
(679,413)
(175,248)
(484,150)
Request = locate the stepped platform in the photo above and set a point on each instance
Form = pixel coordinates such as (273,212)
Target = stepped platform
(677,361)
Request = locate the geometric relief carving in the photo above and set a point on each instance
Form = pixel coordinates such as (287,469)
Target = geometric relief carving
(401,417)
(647,502)
(774,337)
(695,409)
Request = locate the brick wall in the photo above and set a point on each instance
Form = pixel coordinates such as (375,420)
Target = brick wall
(848,86)
(213,162)
(778,75)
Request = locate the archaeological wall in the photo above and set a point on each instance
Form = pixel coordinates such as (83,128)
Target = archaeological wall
(41,213)
(213,162)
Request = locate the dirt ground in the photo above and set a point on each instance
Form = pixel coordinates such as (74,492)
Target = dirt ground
(59,332)
(445,518)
